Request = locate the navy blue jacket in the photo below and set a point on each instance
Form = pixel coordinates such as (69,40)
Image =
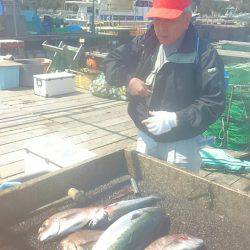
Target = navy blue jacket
(190,84)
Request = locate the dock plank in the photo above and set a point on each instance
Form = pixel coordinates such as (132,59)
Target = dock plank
(50,107)
(102,141)
(242,184)
(11,157)
(65,131)
(12,169)
(101,125)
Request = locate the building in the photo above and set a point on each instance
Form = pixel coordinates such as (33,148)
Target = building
(110,9)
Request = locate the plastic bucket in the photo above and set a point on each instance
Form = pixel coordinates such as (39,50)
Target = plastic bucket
(45,62)
(29,68)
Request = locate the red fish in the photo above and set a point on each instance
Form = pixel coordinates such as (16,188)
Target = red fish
(66,222)
(177,242)
(80,240)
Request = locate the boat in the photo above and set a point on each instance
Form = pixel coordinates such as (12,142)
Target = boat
(108,10)
(130,11)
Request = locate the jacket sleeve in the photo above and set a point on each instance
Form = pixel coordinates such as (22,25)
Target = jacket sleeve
(120,64)
(210,102)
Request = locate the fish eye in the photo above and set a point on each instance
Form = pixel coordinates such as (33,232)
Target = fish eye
(42,228)
(46,223)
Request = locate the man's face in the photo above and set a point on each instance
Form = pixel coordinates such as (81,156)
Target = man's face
(168,31)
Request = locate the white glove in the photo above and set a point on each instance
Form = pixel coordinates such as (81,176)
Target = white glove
(160,122)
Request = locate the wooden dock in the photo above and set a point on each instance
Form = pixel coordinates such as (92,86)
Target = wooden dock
(98,124)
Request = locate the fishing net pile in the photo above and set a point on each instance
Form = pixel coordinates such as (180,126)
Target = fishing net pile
(101,88)
(232,129)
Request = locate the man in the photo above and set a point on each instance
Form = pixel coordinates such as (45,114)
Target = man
(176,84)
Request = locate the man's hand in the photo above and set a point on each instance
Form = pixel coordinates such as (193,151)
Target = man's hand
(137,87)
(160,122)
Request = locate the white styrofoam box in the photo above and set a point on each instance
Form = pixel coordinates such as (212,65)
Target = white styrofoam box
(54,84)
(51,153)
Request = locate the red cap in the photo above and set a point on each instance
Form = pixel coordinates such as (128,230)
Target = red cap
(168,9)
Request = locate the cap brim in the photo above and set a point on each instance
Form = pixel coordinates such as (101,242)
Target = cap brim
(163,13)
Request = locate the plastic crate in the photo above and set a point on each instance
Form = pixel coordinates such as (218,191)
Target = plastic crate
(84,79)
(9,74)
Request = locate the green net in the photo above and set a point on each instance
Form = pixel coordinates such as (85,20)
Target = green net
(239,73)
(232,129)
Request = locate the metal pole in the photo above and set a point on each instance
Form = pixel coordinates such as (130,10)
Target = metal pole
(93,18)
(14,18)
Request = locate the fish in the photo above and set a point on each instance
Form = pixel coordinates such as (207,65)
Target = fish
(65,222)
(107,215)
(82,239)
(72,246)
(135,230)
(177,242)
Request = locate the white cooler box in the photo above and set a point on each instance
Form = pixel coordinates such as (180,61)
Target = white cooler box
(54,84)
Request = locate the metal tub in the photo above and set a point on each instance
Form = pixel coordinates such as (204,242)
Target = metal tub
(196,206)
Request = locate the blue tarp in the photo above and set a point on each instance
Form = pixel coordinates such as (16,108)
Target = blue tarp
(1,8)
(6,185)
(217,159)
(73,28)
(33,22)
(29,15)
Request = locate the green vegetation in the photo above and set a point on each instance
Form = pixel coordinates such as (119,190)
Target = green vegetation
(203,6)
(207,7)
(45,4)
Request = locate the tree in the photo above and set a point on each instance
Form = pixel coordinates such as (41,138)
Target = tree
(45,4)
(31,4)
(52,4)
(241,5)
(205,7)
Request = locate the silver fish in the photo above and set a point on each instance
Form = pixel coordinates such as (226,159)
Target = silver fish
(65,222)
(80,240)
(177,242)
(107,215)
(134,230)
